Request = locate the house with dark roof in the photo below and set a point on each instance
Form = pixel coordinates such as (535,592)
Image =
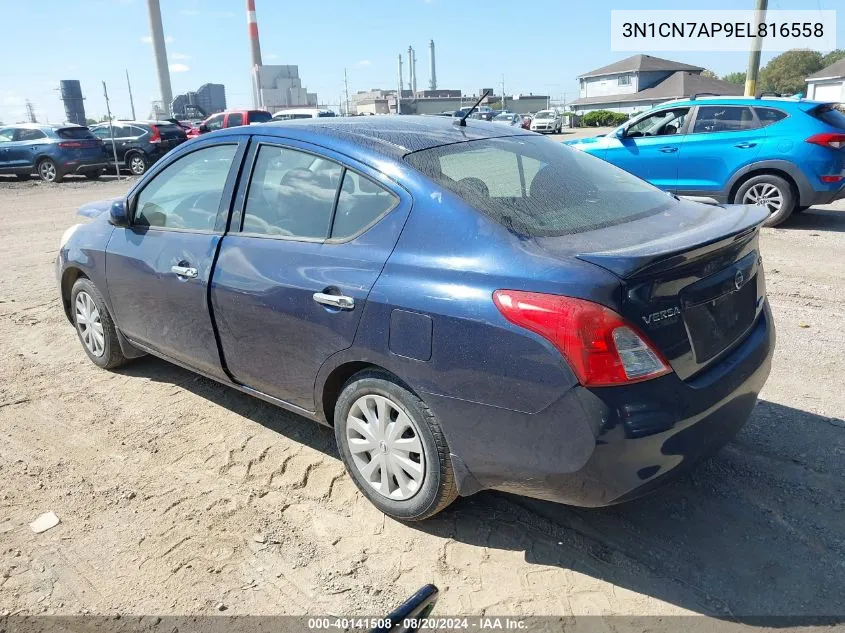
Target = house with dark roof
(637,83)
(828,84)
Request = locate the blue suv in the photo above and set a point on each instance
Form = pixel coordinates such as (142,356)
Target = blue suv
(784,154)
(51,151)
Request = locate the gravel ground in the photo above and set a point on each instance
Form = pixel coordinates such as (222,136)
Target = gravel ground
(176,494)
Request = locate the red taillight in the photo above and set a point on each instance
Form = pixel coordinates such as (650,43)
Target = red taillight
(70,145)
(830,179)
(828,139)
(155,137)
(599,345)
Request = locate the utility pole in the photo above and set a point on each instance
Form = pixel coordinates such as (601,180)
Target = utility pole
(131,102)
(111,131)
(30,112)
(346,85)
(754,53)
(504,104)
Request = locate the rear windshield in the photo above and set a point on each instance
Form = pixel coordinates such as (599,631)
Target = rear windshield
(257,116)
(539,188)
(832,114)
(74,133)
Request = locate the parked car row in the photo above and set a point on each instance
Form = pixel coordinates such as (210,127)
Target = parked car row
(783,154)
(51,152)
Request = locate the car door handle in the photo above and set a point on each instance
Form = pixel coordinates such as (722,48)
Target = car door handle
(745,145)
(668,149)
(335,301)
(184,271)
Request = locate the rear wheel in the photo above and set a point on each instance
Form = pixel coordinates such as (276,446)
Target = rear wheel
(769,191)
(137,163)
(94,325)
(48,171)
(393,447)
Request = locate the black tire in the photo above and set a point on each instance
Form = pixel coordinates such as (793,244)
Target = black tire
(784,189)
(111,356)
(438,488)
(93,175)
(137,163)
(23,176)
(48,171)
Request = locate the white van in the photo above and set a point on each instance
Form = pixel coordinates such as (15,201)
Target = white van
(302,113)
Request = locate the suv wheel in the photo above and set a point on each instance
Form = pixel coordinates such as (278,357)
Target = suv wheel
(137,164)
(772,192)
(48,171)
(393,447)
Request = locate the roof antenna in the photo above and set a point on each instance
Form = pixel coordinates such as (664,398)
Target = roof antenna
(463,120)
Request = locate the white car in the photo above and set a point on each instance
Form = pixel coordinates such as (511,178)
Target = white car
(509,118)
(547,122)
(302,113)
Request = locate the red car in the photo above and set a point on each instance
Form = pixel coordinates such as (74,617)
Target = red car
(526,121)
(232,118)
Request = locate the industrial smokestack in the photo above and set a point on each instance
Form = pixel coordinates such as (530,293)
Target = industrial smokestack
(412,72)
(432,83)
(255,52)
(160,54)
(252,28)
(73,100)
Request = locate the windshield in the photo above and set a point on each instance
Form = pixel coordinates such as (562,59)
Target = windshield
(539,188)
(544,115)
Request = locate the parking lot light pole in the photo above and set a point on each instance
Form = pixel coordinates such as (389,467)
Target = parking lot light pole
(111,131)
(754,53)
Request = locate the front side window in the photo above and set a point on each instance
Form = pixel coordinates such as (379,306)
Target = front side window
(539,188)
(291,194)
(723,119)
(187,193)
(662,123)
(235,119)
(215,122)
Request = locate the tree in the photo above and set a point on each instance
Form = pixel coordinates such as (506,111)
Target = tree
(709,74)
(90,121)
(737,77)
(832,57)
(786,72)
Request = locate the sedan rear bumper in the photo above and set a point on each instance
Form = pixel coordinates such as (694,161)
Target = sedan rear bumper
(604,446)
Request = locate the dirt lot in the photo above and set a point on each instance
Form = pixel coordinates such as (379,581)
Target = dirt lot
(176,494)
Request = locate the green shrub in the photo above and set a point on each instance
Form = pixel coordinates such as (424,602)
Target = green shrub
(603,118)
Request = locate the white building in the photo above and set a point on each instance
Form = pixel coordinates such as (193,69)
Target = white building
(828,84)
(279,87)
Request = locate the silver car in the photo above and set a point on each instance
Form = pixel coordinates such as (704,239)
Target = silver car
(547,122)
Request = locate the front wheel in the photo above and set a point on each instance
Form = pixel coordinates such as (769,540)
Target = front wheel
(94,325)
(393,447)
(769,191)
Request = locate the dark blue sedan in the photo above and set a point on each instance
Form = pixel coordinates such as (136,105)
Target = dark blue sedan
(51,151)
(469,307)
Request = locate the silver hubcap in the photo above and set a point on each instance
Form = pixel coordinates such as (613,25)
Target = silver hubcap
(47,170)
(89,325)
(385,446)
(136,164)
(764,195)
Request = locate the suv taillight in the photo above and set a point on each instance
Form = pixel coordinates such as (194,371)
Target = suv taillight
(155,137)
(599,345)
(70,145)
(828,139)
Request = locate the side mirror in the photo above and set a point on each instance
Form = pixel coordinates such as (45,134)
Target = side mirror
(620,132)
(203,128)
(118,215)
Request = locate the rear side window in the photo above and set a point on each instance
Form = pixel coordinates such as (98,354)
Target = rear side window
(291,194)
(361,202)
(186,194)
(75,133)
(539,188)
(723,119)
(833,114)
(259,116)
(235,119)
(768,116)
(27,134)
